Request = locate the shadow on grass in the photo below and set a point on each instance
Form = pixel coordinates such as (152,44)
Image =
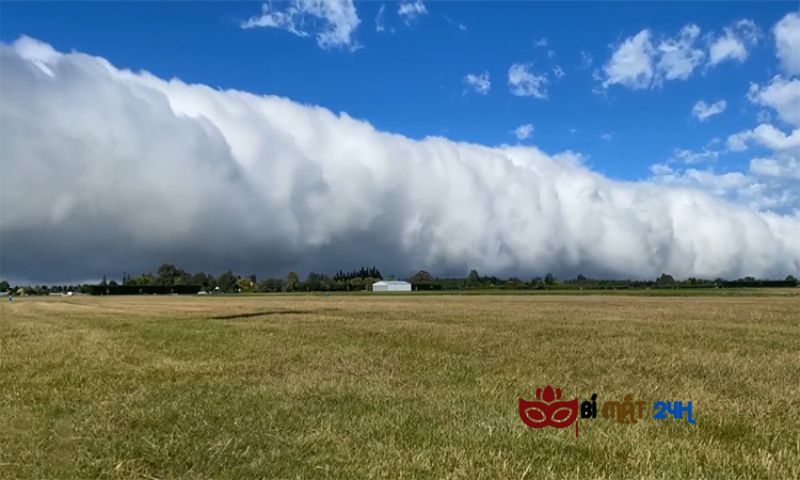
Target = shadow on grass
(264,313)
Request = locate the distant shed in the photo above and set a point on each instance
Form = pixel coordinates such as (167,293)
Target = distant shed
(391,286)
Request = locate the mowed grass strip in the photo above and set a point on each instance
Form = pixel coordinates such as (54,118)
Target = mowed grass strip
(408,386)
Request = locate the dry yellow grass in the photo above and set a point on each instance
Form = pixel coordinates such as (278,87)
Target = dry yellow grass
(410,386)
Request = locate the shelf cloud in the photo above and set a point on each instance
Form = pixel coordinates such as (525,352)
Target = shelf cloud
(107,170)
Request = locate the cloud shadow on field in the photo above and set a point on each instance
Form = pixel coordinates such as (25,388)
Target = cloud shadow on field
(260,314)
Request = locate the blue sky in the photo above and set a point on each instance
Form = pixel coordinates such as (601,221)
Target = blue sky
(409,78)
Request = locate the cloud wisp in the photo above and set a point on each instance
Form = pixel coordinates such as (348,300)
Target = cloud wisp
(334,21)
(523,132)
(479,83)
(523,82)
(703,111)
(107,170)
(411,11)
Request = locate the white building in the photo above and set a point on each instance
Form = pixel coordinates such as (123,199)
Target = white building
(391,286)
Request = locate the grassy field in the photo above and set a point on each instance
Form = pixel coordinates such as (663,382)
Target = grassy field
(408,386)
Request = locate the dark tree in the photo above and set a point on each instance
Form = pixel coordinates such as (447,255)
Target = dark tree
(269,285)
(421,277)
(665,280)
(313,282)
(200,279)
(363,272)
(292,282)
(356,284)
(169,275)
(227,282)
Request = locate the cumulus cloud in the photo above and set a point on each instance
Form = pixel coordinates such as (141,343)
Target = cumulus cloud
(410,11)
(523,131)
(781,95)
(734,43)
(522,82)
(107,170)
(679,56)
(771,167)
(702,111)
(787,43)
(631,64)
(479,83)
(647,60)
(737,142)
(334,21)
(767,136)
(773,181)
(752,188)
(639,63)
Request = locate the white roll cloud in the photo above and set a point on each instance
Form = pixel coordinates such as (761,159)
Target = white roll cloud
(106,170)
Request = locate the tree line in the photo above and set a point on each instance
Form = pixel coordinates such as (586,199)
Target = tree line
(424,281)
(170,279)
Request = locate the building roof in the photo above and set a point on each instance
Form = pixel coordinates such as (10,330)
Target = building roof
(391,282)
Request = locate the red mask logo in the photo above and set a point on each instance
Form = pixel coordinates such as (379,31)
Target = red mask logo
(548,410)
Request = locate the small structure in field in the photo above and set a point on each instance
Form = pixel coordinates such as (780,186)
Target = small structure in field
(391,286)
